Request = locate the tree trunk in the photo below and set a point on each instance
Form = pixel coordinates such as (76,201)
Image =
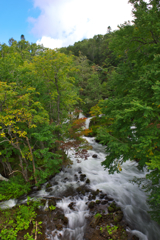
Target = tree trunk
(4,167)
(58,100)
(9,167)
(33,163)
(24,171)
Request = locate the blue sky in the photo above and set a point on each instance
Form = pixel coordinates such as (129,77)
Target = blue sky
(14,19)
(57,23)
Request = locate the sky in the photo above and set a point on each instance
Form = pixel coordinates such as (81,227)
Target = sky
(60,23)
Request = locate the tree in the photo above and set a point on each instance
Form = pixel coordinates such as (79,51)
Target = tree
(109,29)
(54,69)
(28,145)
(19,113)
(87,83)
(22,37)
(133,103)
(11,41)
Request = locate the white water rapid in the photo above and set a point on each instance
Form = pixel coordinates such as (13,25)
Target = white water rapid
(118,186)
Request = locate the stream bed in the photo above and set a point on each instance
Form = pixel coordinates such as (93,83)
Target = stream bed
(118,186)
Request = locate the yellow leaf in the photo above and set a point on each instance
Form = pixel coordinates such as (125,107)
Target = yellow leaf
(119,167)
(2,134)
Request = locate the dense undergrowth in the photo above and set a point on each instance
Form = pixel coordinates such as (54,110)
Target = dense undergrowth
(14,188)
(22,217)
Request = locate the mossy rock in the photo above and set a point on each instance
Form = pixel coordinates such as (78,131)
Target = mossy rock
(102,195)
(82,177)
(111,209)
(65,220)
(81,190)
(119,212)
(60,215)
(91,205)
(97,191)
(113,205)
(104,202)
(48,185)
(118,209)
(43,202)
(71,205)
(87,181)
(117,218)
(51,202)
(93,197)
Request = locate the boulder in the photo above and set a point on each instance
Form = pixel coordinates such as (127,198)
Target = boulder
(65,180)
(87,181)
(104,202)
(48,185)
(51,202)
(94,155)
(117,217)
(110,199)
(102,195)
(49,189)
(65,220)
(91,204)
(90,197)
(81,190)
(71,205)
(60,215)
(110,209)
(43,202)
(76,177)
(135,238)
(82,177)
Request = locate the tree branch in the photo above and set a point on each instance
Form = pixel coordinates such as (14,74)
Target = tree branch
(15,171)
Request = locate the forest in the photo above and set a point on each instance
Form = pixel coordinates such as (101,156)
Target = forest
(42,92)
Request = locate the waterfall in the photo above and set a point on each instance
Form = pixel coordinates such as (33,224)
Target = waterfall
(87,122)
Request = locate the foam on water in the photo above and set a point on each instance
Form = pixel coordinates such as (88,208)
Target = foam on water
(8,204)
(119,186)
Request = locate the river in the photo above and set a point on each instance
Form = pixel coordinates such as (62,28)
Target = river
(119,186)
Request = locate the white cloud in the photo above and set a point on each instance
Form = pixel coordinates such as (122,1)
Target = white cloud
(64,22)
(49,42)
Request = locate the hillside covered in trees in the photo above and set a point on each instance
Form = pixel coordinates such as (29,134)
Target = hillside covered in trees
(128,63)
(116,75)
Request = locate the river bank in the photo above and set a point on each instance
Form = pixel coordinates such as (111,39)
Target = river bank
(75,200)
(103,218)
